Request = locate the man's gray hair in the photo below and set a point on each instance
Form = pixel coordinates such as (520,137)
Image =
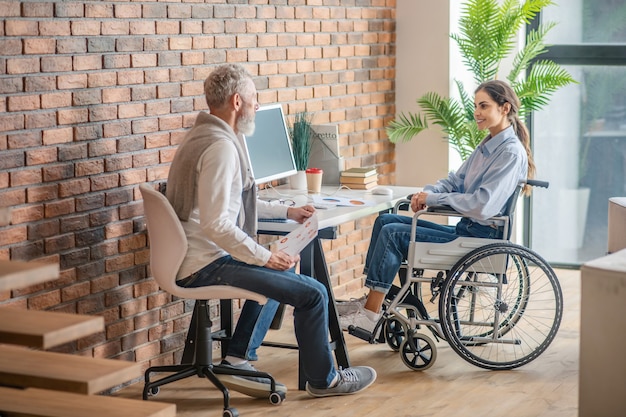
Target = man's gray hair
(223,82)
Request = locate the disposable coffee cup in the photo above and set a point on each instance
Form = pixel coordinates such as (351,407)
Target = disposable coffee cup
(314,180)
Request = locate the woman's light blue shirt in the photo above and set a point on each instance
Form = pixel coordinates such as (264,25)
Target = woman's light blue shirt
(480,188)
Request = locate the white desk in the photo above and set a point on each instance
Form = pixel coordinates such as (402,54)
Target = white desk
(337,215)
(312,259)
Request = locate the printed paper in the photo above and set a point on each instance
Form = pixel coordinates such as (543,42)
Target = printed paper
(293,243)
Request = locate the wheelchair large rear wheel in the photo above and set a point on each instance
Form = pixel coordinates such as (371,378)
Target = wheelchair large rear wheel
(500,306)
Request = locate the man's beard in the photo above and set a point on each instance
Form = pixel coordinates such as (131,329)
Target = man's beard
(245,124)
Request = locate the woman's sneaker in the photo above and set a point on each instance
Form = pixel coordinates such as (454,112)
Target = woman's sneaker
(345,308)
(357,319)
(350,381)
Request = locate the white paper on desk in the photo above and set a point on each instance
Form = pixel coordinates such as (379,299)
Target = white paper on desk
(293,243)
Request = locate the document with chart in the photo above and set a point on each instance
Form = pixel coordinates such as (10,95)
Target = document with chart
(293,243)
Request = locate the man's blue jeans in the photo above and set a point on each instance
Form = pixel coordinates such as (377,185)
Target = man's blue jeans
(239,347)
(389,245)
(308,297)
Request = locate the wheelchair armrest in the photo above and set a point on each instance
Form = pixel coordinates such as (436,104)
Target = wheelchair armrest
(443,210)
(450,212)
(405,205)
(402,205)
(439,211)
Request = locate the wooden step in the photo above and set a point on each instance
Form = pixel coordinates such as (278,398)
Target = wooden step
(45,329)
(22,367)
(33,402)
(19,274)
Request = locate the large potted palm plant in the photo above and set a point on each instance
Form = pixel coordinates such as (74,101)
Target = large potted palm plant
(488,32)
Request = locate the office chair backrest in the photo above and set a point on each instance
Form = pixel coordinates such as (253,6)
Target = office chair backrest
(168,246)
(168,243)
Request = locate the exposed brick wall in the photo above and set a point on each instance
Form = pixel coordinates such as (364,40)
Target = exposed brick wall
(94,98)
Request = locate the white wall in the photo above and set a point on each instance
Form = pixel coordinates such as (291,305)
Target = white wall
(422,65)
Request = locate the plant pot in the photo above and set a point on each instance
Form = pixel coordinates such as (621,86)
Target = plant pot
(298,181)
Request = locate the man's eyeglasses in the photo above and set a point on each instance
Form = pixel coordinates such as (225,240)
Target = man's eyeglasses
(286,202)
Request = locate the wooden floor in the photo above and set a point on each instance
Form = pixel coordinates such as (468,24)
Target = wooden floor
(547,387)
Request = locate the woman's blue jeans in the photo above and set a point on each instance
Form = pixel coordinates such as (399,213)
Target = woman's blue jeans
(308,297)
(389,245)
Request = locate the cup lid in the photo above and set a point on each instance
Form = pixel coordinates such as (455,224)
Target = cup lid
(314,171)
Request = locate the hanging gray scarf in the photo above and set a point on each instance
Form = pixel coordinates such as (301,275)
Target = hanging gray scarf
(181,182)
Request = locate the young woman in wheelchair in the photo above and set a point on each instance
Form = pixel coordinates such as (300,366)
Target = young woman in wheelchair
(478,190)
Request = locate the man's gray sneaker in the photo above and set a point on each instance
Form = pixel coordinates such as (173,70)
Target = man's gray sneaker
(253,386)
(351,380)
(345,308)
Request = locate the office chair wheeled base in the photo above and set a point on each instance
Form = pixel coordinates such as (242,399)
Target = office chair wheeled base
(203,366)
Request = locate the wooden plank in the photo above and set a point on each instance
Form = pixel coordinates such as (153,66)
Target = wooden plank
(45,329)
(22,367)
(33,402)
(19,274)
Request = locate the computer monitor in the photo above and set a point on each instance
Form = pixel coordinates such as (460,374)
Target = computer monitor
(271,156)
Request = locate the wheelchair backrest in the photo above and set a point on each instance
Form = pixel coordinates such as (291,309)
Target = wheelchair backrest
(509,209)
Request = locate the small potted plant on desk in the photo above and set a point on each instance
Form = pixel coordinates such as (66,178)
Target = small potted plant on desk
(300,134)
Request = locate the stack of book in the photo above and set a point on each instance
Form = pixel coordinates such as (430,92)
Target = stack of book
(359,178)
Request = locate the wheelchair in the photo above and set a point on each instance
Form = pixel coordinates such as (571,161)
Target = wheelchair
(499,304)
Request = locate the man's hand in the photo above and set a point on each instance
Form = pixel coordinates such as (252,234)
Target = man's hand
(280,261)
(418,201)
(300,214)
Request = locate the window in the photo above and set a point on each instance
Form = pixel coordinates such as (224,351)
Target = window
(579,140)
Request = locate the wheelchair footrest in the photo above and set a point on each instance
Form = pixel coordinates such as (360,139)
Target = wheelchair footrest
(361,333)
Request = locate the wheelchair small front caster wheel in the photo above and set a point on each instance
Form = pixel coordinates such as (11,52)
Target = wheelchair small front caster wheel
(276,398)
(154,391)
(230,412)
(394,333)
(418,352)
